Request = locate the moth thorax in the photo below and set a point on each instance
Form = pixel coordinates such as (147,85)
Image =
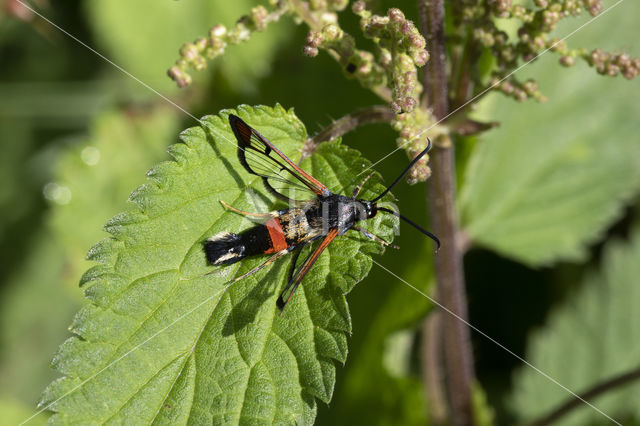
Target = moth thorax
(365,209)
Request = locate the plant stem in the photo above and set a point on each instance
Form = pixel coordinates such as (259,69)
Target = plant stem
(441,193)
(431,351)
(450,279)
(599,388)
(373,114)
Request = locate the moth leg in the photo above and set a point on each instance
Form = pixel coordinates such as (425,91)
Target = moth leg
(374,237)
(257,268)
(358,188)
(243,213)
(296,279)
(296,254)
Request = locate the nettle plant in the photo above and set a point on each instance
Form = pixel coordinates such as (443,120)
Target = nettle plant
(162,339)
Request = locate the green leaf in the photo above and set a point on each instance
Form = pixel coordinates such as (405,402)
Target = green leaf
(548,193)
(161,341)
(592,337)
(548,182)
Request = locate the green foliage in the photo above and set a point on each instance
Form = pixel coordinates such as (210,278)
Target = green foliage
(42,294)
(13,205)
(98,176)
(381,387)
(590,339)
(161,341)
(582,139)
(144,36)
(548,181)
(483,413)
(381,384)
(34,313)
(546,194)
(13,412)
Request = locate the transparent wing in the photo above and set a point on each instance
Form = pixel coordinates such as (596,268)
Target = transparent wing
(281,176)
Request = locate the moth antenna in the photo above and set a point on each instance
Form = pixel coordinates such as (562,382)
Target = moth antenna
(415,225)
(413,162)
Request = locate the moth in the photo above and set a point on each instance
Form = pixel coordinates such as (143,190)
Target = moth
(322,216)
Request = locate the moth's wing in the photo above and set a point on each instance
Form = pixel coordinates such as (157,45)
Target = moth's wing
(281,176)
(296,279)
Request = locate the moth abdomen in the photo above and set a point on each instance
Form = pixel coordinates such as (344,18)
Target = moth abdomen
(224,248)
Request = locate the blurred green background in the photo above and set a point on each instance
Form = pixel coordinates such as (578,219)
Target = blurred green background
(77,136)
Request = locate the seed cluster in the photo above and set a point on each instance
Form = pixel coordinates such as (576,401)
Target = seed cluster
(356,63)
(481,54)
(612,65)
(536,23)
(401,50)
(195,55)
(412,137)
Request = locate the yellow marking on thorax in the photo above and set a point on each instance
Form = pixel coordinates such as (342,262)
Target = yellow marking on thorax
(297,227)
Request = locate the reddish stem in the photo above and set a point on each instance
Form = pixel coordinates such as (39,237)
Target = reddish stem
(449,271)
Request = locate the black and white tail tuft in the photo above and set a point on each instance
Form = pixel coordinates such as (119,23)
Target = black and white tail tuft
(224,248)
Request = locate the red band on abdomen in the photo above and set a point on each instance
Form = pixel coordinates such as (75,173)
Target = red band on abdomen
(276,234)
